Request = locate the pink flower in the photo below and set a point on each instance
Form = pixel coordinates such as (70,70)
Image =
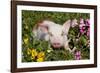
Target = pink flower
(88,32)
(87,22)
(77,55)
(81,26)
(81,30)
(81,21)
(74,23)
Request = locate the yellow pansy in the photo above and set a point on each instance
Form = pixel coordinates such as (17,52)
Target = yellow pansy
(33,56)
(41,55)
(26,40)
(26,27)
(28,51)
(34,52)
(40,59)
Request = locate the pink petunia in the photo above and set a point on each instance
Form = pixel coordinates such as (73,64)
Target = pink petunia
(77,55)
(87,22)
(74,23)
(81,23)
(88,32)
(81,30)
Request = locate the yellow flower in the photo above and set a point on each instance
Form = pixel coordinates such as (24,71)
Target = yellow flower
(28,51)
(34,52)
(33,56)
(26,27)
(49,50)
(40,59)
(41,55)
(26,40)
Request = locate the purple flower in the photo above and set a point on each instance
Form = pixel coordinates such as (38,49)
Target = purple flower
(84,26)
(87,22)
(81,30)
(88,32)
(81,26)
(81,21)
(77,55)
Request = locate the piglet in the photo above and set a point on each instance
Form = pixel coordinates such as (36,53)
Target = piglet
(56,34)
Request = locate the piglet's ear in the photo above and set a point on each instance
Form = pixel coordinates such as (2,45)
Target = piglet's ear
(41,26)
(66,26)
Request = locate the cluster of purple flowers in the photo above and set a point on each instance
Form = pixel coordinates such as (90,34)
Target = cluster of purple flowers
(85,26)
(84,29)
(77,55)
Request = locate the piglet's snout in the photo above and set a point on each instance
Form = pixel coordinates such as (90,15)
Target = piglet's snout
(56,43)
